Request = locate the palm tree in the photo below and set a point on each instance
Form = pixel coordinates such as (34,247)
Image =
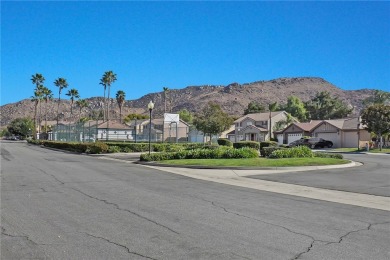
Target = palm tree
(81,103)
(47,95)
(272,107)
(61,84)
(38,80)
(165,89)
(107,79)
(72,93)
(120,99)
(35,99)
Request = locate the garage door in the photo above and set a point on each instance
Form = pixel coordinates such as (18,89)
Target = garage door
(293,137)
(334,137)
(350,139)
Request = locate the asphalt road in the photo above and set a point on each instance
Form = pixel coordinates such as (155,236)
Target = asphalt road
(373,177)
(57,205)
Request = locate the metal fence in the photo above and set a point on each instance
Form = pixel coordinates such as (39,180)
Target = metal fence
(114,130)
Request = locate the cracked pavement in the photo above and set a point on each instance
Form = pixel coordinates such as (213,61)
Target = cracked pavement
(63,206)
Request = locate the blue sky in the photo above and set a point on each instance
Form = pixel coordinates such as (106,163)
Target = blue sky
(150,45)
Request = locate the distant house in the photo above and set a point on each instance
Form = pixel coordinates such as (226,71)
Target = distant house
(296,131)
(346,133)
(255,127)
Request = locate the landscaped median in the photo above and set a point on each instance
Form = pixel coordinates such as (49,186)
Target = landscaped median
(240,154)
(245,157)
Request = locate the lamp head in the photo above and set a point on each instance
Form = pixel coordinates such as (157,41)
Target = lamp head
(150,105)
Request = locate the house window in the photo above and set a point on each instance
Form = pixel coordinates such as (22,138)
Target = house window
(249,123)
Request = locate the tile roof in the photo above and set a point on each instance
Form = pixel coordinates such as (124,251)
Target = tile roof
(309,125)
(112,125)
(259,116)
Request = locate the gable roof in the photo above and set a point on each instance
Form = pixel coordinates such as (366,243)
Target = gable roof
(344,124)
(260,129)
(112,125)
(259,116)
(308,126)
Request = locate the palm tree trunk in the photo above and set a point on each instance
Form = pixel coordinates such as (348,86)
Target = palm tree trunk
(58,107)
(108,103)
(46,116)
(80,115)
(35,120)
(104,105)
(165,102)
(269,127)
(71,107)
(40,116)
(120,114)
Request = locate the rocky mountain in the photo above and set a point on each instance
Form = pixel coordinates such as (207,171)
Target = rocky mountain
(233,98)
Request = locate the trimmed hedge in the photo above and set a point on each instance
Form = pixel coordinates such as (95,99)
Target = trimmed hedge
(267,151)
(156,147)
(295,152)
(92,148)
(225,142)
(268,144)
(221,152)
(250,144)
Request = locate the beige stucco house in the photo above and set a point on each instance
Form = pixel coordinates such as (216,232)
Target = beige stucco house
(346,133)
(255,127)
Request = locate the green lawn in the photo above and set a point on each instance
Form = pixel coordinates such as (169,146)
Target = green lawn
(375,150)
(258,162)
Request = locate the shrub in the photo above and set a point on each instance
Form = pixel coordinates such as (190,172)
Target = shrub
(267,151)
(328,155)
(96,148)
(224,142)
(268,144)
(295,152)
(222,152)
(114,149)
(250,144)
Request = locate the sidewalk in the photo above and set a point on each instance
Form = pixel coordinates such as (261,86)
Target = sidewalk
(237,177)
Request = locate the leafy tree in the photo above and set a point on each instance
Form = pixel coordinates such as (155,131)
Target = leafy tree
(296,108)
(81,103)
(271,107)
(376,118)
(254,107)
(47,95)
(378,98)
(4,132)
(324,106)
(165,89)
(72,93)
(185,115)
(107,79)
(212,120)
(61,84)
(21,127)
(281,124)
(120,99)
(130,117)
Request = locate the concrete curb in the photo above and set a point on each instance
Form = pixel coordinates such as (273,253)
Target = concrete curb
(296,168)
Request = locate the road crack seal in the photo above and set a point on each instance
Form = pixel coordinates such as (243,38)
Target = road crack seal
(123,246)
(310,247)
(126,210)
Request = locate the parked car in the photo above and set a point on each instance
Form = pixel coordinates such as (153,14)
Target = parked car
(320,143)
(300,142)
(314,142)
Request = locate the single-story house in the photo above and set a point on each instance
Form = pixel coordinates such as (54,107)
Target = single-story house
(346,133)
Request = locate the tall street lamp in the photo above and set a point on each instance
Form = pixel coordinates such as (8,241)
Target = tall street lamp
(150,107)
